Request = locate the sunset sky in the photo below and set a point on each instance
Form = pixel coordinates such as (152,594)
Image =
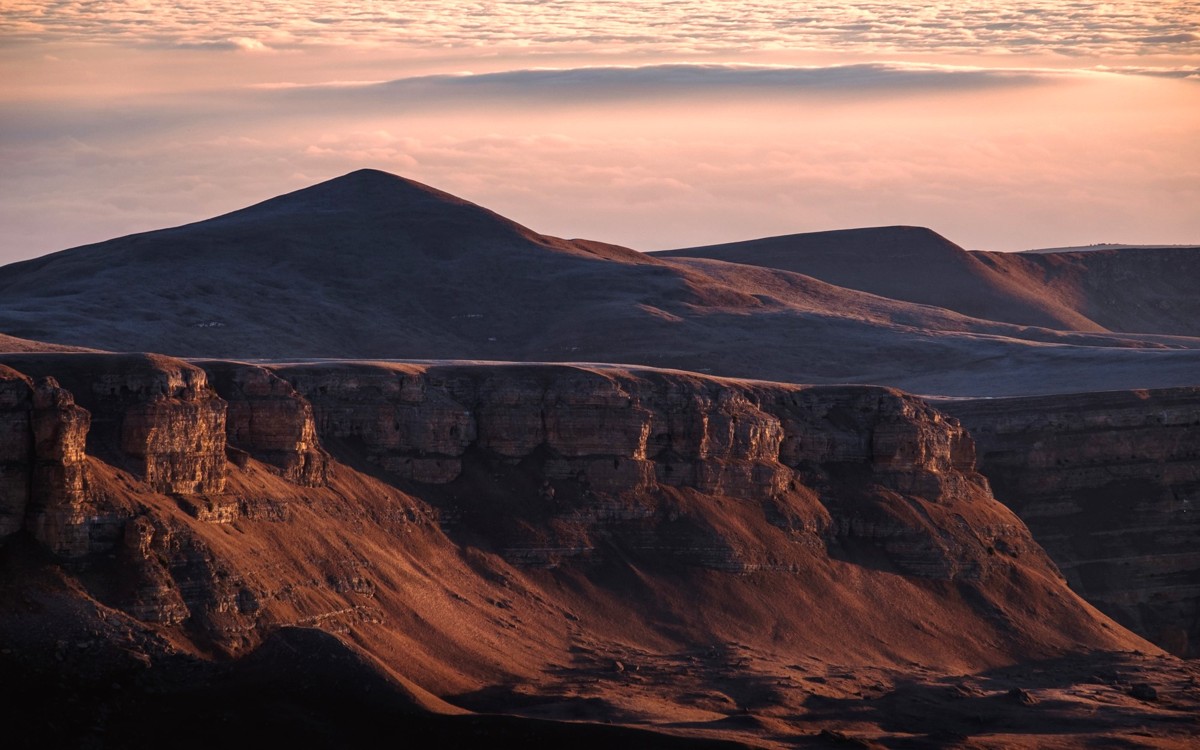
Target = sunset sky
(1004,126)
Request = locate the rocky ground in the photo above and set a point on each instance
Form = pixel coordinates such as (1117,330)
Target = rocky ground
(548,553)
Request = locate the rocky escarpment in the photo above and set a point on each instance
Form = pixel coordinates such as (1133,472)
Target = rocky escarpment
(108,482)
(547,465)
(151,416)
(269,420)
(1109,484)
(555,462)
(62,417)
(472,527)
(547,462)
(43,463)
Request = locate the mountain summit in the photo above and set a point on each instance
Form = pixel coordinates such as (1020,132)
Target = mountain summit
(371,265)
(914,264)
(381,198)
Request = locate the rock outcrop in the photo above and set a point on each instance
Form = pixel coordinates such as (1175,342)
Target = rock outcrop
(1109,484)
(43,463)
(557,461)
(16,449)
(152,416)
(269,420)
(476,526)
(59,515)
(550,462)
(547,465)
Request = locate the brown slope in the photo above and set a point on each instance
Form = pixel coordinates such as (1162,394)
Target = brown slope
(789,556)
(913,264)
(14,344)
(1133,290)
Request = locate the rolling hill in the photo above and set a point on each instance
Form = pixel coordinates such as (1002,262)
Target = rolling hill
(371,265)
(1146,290)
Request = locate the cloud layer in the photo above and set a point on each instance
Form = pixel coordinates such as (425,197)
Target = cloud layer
(652,157)
(1127,27)
(1003,125)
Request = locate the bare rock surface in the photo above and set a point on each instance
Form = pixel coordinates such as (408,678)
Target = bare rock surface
(267,418)
(1109,484)
(601,451)
(770,564)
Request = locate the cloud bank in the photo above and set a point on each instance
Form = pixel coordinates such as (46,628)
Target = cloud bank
(1125,27)
(1003,125)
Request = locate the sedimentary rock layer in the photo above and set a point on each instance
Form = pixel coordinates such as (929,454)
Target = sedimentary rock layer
(1109,484)
(548,466)
(757,549)
(551,460)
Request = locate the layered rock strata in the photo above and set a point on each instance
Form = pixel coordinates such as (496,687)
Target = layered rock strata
(549,461)
(1109,484)
(556,461)
(42,463)
(221,501)
(60,512)
(152,416)
(267,419)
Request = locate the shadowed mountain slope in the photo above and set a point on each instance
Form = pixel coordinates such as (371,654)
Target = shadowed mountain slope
(1130,290)
(371,265)
(905,263)
(1134,289)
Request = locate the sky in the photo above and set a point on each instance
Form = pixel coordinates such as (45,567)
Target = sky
(1001,125)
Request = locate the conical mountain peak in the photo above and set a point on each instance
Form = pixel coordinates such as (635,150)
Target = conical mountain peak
(367,193)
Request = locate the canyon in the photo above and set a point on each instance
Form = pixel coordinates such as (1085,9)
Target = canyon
(402,462)
(574,531)
(1108,484)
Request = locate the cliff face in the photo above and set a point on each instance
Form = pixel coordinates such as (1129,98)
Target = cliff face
(59,504)
(267,419)
(1109,484)
(154,417)
(42,463)
(16,449)
(735,559)
(224,500)
(557,462)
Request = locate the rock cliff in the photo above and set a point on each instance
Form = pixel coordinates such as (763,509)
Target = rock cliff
(555,461)
(227,499)
(1109,484)
(151,416)
(269,420)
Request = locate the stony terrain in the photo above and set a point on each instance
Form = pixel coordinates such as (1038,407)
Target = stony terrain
(473,527)
(709,559)
(1109,484)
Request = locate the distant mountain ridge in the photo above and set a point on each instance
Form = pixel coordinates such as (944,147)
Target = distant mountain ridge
(373,266)
(1127,289)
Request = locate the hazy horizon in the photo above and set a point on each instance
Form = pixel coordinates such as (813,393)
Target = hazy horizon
(653,125)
